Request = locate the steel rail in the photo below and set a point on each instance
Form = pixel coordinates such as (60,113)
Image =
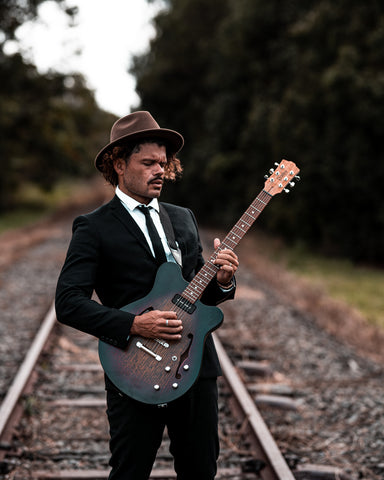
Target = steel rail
(25,370)
(276,467)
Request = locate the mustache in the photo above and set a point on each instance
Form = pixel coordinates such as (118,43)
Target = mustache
(156,178)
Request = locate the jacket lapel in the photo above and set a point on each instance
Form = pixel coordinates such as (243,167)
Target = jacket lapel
(123,216)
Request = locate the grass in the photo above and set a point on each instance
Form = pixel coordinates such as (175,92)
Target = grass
(360,287)
(19,218)
(35,203)
(32,204)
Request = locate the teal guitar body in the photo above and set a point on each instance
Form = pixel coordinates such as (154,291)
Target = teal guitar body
(154,371)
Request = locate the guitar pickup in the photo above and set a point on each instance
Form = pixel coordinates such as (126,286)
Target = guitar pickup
(184,304)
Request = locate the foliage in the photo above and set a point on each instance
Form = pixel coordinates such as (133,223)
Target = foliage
(358,286)
(48,122)
(250,82)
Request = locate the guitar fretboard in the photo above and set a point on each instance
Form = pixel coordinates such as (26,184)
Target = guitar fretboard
(196,287)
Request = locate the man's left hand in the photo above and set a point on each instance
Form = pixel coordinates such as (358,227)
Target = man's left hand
(228,262)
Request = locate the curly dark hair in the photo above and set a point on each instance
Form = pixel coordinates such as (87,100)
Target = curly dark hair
(173,168)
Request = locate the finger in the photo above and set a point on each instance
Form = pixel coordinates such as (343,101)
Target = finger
(171,336)
(228,270)
(167,315)
(216,243)
(172,331)
(227,260)
(228,254)
(172,324)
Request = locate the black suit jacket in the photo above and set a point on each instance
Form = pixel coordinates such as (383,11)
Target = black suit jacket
(108,254)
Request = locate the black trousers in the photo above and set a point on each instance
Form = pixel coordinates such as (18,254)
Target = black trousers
(136,431)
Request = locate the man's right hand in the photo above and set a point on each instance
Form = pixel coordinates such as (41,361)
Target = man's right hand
(157,324)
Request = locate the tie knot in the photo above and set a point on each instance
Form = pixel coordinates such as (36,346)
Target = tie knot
(144,209)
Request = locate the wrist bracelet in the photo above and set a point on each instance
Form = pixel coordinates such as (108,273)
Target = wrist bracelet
(227,285)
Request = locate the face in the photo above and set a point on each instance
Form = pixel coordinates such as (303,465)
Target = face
(142,176)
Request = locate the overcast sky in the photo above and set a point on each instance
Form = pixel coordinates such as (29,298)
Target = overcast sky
(107,33)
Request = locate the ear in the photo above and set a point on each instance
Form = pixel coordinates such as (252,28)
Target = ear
(119,166)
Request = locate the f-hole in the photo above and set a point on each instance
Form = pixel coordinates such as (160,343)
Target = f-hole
(184,355)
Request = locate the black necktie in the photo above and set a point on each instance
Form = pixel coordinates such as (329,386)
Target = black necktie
(154,236)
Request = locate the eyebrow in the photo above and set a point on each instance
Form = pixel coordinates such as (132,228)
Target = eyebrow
(147,159)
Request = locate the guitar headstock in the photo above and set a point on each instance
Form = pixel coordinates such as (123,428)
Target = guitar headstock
(281,177)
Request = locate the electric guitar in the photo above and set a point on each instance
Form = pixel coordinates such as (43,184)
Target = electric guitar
(156,371)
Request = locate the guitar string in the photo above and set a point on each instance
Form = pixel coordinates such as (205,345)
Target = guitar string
(151,343)
(198,284)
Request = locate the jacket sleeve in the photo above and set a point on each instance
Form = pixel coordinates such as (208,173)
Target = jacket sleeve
(74,303)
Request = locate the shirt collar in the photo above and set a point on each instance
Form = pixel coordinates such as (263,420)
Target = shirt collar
(131,203)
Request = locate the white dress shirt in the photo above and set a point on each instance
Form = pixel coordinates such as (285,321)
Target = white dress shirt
(131,205)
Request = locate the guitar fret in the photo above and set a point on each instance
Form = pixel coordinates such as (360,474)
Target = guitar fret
(228,243)
(200,282)
(235,234)
(249,217)
(252,213)
(248,225)
(238,231)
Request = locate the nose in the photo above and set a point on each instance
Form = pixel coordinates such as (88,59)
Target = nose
(159,168)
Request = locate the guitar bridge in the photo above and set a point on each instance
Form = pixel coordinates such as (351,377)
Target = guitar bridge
(184,304)
(147,350)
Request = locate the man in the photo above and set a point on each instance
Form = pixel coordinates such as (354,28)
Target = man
(113,253)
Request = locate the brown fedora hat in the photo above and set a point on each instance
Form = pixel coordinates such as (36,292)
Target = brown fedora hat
(136,126)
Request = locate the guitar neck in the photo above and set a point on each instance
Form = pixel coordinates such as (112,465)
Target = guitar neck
(196,287)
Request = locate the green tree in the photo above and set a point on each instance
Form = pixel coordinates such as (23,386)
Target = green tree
(173,79)
(330,112)
(48,122)
(266,80)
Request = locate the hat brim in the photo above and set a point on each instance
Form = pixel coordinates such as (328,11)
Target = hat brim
(173,139)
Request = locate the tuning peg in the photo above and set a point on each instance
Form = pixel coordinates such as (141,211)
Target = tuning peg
(297,178)
(292,184)
(286,190)
(271,170)
(277,164)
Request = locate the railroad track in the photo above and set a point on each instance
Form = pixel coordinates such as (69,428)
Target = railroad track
(66,365)
(57,400)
